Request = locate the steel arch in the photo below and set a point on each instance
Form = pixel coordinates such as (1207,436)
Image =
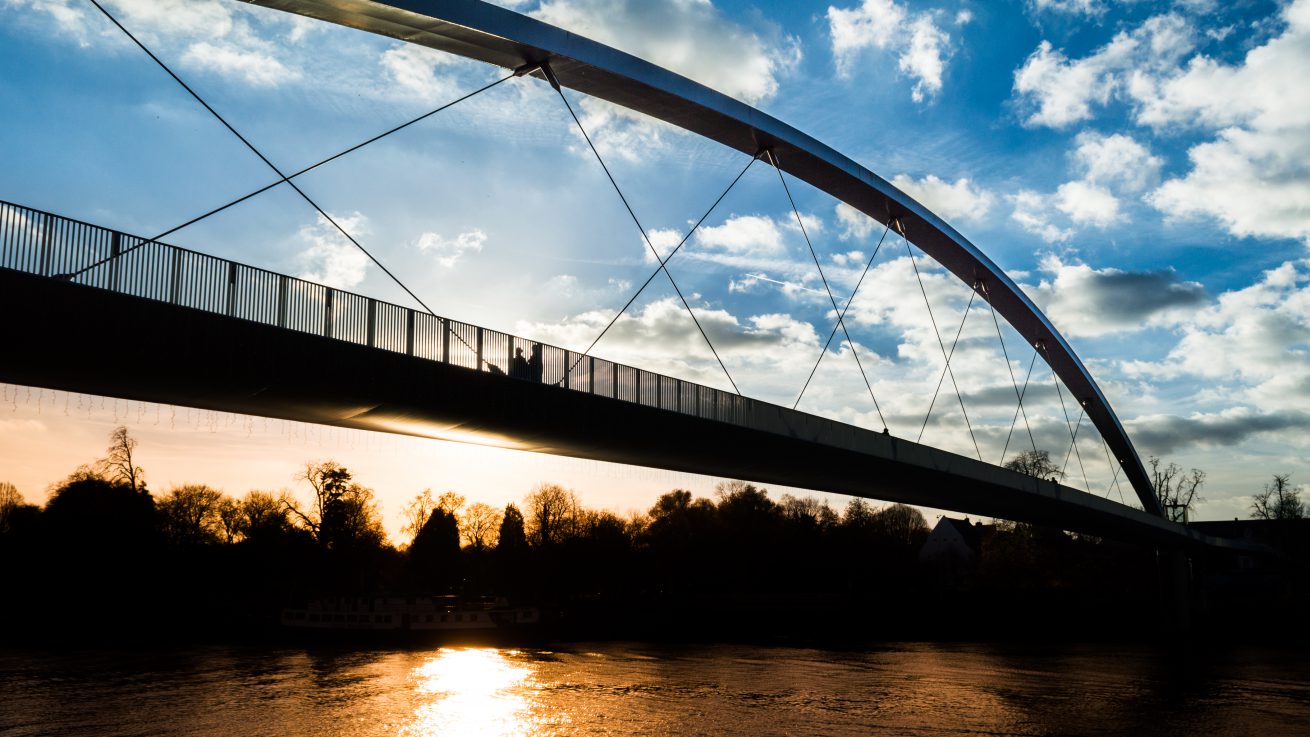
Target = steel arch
(488,33)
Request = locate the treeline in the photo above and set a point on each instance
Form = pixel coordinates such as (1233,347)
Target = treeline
(106,552)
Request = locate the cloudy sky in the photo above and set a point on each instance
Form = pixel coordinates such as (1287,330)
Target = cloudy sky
(1141,168)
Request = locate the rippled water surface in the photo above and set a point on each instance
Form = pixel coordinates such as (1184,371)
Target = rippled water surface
(619,689)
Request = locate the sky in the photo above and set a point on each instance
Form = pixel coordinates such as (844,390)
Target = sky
(1141,169)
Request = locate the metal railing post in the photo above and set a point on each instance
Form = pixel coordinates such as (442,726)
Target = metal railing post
(409,332)
(445,340)
(591,374)
(372,322)
(174,281)
(282,300)
(478,351)
(327,313)
(637,382)
(115,247)
(565,381)
(231,289)
(45,243)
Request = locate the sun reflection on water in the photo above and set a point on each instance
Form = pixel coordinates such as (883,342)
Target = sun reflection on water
(478,691)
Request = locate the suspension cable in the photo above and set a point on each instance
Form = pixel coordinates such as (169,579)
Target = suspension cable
(665,260)
(833,334)
(987,296)
(1114,479)
(261,156)
(550,77)
(1073,434)
(1013,423)
(1073,449)
(287,178)
(949,356)
(940,343)
(841,321)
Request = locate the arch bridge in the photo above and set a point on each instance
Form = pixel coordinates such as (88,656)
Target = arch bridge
(242,339)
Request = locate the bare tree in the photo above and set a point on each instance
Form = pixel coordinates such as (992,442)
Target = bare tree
(263,513)
(1036,463)
(552,511)
(481,526)
(1278,500)
(120,465)
(344,513)
(417,513)
(807,510)
(10,499)
(1177,491)
(450,503)
(229,514)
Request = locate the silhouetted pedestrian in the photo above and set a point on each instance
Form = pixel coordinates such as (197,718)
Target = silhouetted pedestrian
(518,368)
(534,363)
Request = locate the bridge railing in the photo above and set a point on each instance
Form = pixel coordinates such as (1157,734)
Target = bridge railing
(49,245)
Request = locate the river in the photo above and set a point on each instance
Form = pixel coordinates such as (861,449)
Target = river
(638,689)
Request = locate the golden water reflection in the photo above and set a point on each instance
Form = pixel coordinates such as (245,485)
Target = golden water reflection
(472,692)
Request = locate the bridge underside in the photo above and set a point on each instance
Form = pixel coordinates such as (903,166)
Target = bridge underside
(97,342)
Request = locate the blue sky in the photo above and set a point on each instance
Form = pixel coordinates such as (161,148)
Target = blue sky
(1142,169)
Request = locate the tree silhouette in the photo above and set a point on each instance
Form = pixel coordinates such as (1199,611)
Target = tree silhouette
(417,512)
(552,513)
(901,525)
(344,513)
(1036,463)
(434,554)
(190,514)
(10,501)
(1177,491)
(1278,500)
(263,517)
(120,465)
(481,526)
(511,536)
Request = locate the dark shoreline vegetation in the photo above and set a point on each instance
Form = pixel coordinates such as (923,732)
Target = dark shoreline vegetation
(106,561)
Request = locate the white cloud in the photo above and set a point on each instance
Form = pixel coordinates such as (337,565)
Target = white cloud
(924,58)
(1254,176)
(881,25)
(328,257)
(620,133)
(414,68)
(853,223)
(873,24)
(1031,211)
(690,37)
(742,234)
(255,67)
(448,251)
(1060,91)
(664,240)
(1087,204)
(1117,160)
(1073,7)
(1081,300)
(1254,341)
(958,201)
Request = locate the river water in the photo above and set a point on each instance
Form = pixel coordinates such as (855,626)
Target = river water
(636,689)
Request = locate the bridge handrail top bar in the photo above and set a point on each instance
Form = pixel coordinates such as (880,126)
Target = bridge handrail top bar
(499,36)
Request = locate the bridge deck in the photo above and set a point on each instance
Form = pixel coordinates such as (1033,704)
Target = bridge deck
(163,324)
